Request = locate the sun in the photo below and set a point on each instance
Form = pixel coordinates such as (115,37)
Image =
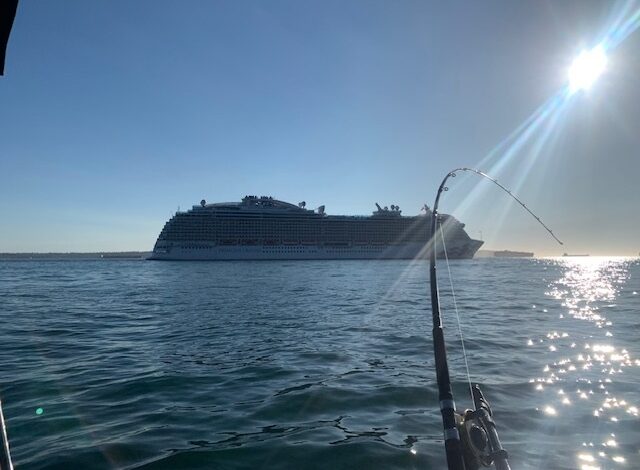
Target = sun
(586,68)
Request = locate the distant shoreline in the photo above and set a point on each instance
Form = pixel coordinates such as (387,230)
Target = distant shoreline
(141,255)
(78,256)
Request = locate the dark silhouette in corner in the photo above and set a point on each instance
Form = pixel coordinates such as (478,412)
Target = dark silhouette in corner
(7,14)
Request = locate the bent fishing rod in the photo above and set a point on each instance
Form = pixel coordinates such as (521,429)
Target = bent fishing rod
(470,439)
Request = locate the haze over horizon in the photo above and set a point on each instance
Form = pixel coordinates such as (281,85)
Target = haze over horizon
(114,114)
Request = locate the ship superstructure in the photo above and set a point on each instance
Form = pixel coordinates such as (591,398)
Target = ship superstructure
(267,228)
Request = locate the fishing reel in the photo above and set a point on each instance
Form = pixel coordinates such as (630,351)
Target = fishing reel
(480,442)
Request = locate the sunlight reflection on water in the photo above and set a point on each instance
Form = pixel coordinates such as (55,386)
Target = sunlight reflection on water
(583,365)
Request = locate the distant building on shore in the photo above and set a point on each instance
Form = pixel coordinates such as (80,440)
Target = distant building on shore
(512,254)
(567,254)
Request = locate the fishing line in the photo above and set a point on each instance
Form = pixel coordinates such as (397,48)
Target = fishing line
(471,436)
(506,190)
(455,306)
(446,256)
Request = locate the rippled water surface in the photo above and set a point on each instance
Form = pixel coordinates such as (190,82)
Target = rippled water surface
(134,364)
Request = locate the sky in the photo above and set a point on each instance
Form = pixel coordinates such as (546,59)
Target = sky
(114,114)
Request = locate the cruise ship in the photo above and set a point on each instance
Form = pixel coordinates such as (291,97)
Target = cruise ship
(264,228)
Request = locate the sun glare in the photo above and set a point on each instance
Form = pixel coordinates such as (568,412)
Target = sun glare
(586,68)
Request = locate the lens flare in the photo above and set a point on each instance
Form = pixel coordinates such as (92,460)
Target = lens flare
(586,68)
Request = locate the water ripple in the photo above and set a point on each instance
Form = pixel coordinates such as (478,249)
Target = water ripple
(122,364)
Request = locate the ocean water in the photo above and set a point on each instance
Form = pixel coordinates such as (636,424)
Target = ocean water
(319,364)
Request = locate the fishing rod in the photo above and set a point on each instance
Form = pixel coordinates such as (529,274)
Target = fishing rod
(5,456)
(470,439)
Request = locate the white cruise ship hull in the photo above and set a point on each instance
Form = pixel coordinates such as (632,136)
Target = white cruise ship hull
(203,251)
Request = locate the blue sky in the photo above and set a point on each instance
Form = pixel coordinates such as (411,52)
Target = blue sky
(115,113)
